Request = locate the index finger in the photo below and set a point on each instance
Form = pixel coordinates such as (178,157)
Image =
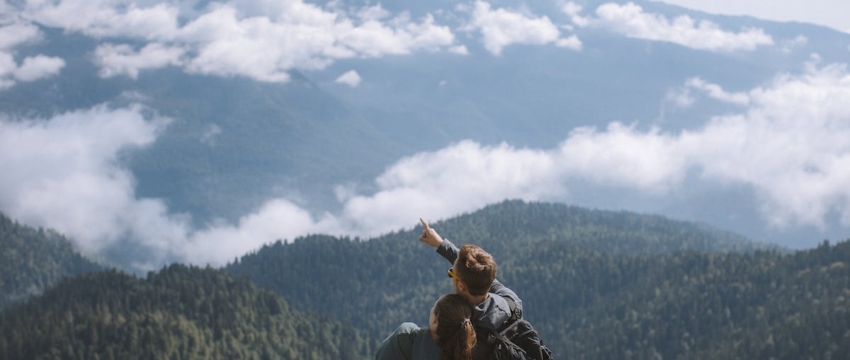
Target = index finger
(424,224)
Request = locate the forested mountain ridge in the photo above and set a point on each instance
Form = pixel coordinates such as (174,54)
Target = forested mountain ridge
(379,283)
(688,305)
(618,232)
(34,259)
(589,304)
(596,284)
(179,312)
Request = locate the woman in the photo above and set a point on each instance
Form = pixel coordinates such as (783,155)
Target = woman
(450,335)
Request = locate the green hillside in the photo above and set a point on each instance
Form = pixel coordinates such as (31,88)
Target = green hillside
(561,260)
(178,313)
(34,259)
(596,284)
(688,305)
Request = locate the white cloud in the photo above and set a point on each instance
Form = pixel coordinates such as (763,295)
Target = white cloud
(7,70)
(61,173)
(459,49)
(789,46)
(790,143)
(632,21)
(256,39)
(574,11)
(375,12)
(572,42)
(277,219)
(106,18)
(210,134)
(16,33)
(375,39)
(350,78)
(122,59)
(459,178)
(680,97)
(32,68)
(501,28)
(716,92)
(38,67)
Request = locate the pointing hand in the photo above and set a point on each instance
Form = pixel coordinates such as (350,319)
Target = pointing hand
(430,236)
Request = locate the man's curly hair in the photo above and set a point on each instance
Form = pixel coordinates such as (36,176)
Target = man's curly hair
(476,268)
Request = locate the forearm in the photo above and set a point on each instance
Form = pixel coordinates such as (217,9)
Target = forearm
(448,251)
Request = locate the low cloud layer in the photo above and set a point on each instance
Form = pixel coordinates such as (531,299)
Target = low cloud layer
(63,173)
(257,39)
(14,33)
(350,78)
(788,143)
(265,40)
(683,96)
(115,60)
(501,27)
(632,21)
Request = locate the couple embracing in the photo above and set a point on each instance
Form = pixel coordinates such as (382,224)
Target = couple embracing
(480,304)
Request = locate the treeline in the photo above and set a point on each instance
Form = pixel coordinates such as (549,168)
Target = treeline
(178,313)
(512,223)
(34,259)
(597,285)
(377,284)
(764,305)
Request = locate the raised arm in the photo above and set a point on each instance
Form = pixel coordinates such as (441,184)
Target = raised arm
(429,236)
(449,251)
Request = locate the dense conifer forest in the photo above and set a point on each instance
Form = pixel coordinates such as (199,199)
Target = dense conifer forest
(378,283)
(178,313)
(34,259)
(596,284)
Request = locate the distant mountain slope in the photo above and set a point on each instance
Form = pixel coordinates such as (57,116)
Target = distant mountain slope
(379,283)
(237,142)
(234,142)
(177,313)
(596,284)
(34,259)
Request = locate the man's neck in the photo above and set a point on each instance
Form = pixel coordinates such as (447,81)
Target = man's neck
(475,300)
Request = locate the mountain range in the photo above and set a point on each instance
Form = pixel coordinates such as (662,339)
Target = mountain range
(595,284)
(244,178)
(200,121)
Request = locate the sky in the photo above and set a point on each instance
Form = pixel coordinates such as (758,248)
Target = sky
(830,13)
(787,140)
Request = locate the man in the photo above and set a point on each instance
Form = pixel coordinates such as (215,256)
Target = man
(473,274)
